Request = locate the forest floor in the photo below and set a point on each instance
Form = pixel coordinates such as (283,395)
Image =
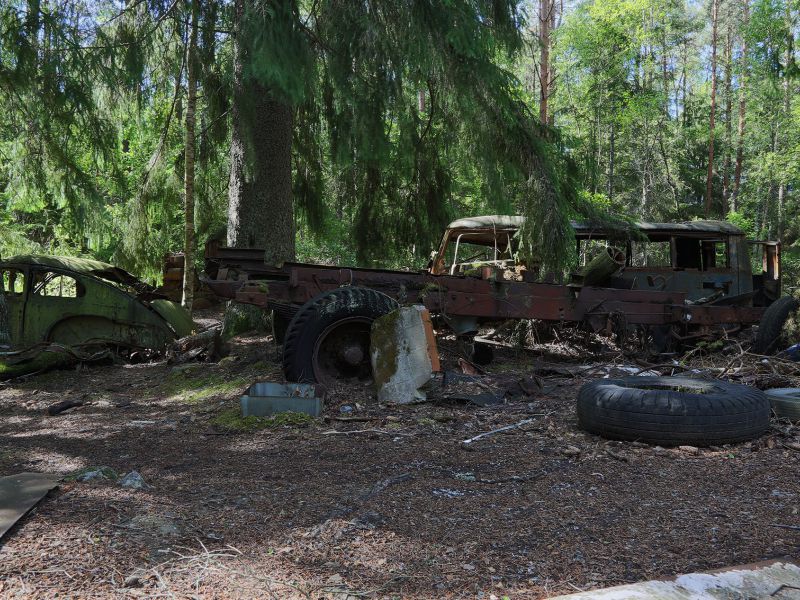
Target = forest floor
(398,508)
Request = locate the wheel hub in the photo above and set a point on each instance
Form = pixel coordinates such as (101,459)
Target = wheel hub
(342,351)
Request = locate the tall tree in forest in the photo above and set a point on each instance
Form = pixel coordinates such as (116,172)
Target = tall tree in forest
(546,16)
(260,208)
(728,66)
(344,80)
(743,76)
(787,74)
(709,198)
(189,160)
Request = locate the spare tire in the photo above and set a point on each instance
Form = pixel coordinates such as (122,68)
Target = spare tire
(671,411)
(785,402)
(770,329)
(328,338)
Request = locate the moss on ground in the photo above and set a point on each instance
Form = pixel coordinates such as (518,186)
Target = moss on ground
(104,473)
(195,383)
(193,389)
(233,420)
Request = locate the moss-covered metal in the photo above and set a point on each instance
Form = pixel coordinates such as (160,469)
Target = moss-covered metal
(76,301)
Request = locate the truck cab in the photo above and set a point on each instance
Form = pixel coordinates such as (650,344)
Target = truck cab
(710,261)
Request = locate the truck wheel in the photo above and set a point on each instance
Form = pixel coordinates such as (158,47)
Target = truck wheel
(328,338)
(281,316)
(770,329)
(673,410)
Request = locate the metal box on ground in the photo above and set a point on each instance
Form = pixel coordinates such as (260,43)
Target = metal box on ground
(265,399)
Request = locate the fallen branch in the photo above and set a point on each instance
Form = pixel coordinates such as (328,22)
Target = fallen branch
(510,478)
(60,407)
(661,366)
(355,431)
(792,527)
(385,483)
(790,446)
(501,429)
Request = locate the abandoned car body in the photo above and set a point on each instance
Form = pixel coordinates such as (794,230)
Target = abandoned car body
(675,281)
(79,302)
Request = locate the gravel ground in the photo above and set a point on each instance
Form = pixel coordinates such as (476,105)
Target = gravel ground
(379,501)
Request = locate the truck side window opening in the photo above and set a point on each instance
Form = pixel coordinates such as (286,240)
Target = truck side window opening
(687,253)
(694,253)
(466,248)
(651,253)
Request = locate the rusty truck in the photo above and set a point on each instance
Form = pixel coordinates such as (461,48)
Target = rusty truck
(675,282)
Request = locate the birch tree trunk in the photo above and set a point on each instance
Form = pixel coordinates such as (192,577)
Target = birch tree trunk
(189,152)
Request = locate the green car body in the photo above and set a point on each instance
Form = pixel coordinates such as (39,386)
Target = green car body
(76,302)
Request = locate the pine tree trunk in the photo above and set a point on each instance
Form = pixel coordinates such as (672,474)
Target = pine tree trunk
(737,173)
(545,15)
(787,107)
(710,175)
(611,158)
(551,77)
(726,165)
(684,96)
(189,152)
(260,210)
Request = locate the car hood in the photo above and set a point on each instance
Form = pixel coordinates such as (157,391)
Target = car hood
(173,313)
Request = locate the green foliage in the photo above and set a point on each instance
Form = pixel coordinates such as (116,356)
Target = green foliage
(744,223)
(407,115)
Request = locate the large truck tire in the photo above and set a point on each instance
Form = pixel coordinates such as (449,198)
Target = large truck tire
(770,329)
(672,411)
(785,402)
(328,338)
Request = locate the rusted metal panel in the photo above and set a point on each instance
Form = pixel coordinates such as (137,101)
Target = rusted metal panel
(711,262)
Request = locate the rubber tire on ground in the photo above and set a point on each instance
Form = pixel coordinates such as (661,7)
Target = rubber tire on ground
(316,315)
(659,410)
(785,402)
(772,322)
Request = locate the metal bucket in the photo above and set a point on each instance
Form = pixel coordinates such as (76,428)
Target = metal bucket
(264,399)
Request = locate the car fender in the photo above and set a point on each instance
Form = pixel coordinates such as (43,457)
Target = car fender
(178,318)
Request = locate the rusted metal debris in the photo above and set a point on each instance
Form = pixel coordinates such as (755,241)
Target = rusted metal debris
(678,282)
